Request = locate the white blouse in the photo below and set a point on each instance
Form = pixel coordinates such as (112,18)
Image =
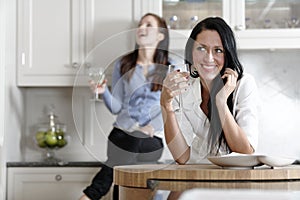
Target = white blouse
(194,124)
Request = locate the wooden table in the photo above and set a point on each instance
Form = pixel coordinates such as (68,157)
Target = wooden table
(142,181)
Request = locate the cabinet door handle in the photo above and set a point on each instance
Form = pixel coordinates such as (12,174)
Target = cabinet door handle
(75,65)
(58,177)
(23,59)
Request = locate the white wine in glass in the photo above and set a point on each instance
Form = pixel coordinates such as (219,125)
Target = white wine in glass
(182,67)
(96,75)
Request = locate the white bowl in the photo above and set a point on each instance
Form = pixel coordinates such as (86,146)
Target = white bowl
(276,161)
(236,160)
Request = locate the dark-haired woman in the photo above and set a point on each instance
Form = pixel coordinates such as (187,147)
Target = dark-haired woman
(220,102)
(135,99)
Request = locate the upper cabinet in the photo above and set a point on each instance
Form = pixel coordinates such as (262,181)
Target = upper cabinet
(266,24)
(54,37)
(59,40)
(258,24)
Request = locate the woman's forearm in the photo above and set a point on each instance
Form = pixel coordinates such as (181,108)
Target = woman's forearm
(174,138)
(234,134)
(112,104)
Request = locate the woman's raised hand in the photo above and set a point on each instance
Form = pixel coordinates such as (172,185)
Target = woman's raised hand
(229,86)
(98,88)
(174,84)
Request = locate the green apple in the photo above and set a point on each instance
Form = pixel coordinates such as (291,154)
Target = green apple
(51,139)
(61,142)
(42,143)
(40,135)
(40,139)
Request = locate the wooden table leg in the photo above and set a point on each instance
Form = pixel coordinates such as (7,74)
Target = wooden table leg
(130,193)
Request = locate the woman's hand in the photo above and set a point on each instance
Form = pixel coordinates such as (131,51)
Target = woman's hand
(174,83)
(148,130)
(84,197)
(98,88)
(229,86)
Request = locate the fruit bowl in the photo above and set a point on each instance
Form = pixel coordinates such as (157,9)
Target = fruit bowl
(51,139)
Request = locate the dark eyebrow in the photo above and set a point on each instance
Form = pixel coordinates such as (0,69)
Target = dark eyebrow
(219,47)
(197,43)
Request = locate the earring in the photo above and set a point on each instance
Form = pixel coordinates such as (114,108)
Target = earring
(194,72)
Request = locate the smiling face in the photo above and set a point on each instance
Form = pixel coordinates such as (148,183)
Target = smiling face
(208,55)
(148,34)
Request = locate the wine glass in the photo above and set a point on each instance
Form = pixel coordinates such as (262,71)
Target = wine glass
(96,75)
(182,67)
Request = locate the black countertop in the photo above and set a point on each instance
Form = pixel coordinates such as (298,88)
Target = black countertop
(69,164)
(54,164)
(65,163)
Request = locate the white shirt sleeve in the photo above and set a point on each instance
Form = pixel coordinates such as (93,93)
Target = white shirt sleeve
(246,107)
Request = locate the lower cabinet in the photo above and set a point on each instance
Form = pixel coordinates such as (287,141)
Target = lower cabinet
(49,183)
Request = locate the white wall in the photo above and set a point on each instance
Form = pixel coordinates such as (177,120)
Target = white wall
(11,97)
(2,97)
(277,75)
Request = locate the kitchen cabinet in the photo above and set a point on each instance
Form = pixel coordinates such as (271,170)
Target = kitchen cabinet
(53,39)
(257,24)
(266,24)
(58,40)
(48,183)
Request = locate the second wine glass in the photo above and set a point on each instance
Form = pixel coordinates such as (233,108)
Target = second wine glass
(96,75)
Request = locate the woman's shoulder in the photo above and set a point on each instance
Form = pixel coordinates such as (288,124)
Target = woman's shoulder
(247,76)
(117,65)
(118,62)
(247,80)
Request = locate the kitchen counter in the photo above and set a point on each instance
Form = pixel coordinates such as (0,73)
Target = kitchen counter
(142,181)
(54,164)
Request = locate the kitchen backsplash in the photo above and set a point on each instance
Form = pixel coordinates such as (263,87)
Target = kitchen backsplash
(276,73)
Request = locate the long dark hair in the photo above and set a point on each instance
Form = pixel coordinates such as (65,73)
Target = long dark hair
(216,134)
(128,62)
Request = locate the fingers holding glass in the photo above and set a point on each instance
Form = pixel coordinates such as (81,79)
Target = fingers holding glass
(177,80)
(178,67)
(176,83)
(97,82)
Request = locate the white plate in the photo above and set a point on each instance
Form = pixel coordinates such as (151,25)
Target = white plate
(236,160)
(275,161)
